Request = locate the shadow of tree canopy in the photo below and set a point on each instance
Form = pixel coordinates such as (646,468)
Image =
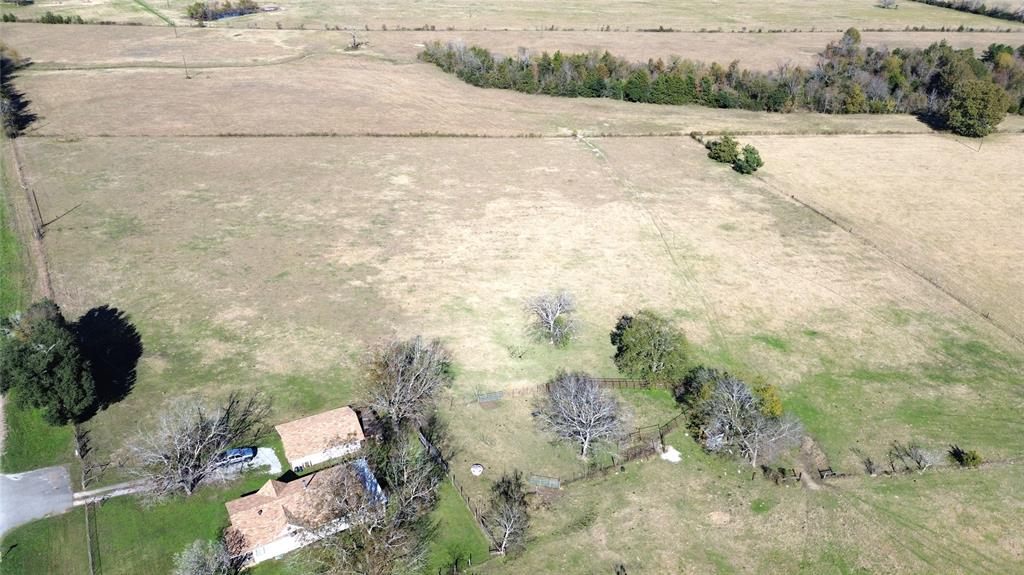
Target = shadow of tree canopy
(14,111)
(113,347)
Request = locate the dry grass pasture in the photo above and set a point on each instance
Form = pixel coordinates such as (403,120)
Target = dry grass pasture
(266,220)
(149,46)
(916,199)
(695,15)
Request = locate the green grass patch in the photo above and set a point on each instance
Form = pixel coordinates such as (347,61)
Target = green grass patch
(31,442)
(135,538)
(458,535)
(762,505)
(54,546)
(773,341)
(13,277)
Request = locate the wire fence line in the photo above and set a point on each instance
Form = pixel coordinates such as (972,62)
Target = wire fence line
(602,382)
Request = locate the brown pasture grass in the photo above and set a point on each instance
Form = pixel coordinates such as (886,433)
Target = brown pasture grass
(939,204)
(536,14)
(249,260)
(107,46)
(364,95)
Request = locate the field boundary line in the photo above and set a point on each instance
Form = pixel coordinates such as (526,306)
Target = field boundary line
(36,249)
(36,67)
(920,275)
(485,136)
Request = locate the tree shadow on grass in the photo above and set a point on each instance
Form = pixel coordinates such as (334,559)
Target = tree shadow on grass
(113,347)
(16,113)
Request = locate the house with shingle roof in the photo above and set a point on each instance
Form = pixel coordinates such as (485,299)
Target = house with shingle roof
(321,437)
(273,521)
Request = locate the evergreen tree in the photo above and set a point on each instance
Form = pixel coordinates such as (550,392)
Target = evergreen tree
(975,108)
(41,362)
(649,347)
(638,87)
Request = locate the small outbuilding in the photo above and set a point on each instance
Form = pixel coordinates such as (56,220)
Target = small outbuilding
(321,437)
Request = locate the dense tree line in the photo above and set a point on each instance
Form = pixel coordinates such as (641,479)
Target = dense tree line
(847,79)
(206,11)
(1004,12)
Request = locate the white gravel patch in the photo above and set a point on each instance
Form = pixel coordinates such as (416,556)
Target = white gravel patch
(265,457)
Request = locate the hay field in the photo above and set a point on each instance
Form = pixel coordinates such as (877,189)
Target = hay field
(148,46)
(940,205)
(366,95)
(694,15)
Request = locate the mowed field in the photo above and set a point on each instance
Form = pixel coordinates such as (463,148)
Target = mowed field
(695,15)
(267,220)
(150,46)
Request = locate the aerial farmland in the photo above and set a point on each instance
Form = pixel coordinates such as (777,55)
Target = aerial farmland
(462,225)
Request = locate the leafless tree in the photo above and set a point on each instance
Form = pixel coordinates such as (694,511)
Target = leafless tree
(736,424)
(182,450)
(551,316)
(577,410)
(385,536)
(912,457)
(405,376)
(204,558)
(870,467)
(508,517)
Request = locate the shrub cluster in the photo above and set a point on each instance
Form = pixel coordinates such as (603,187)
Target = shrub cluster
(727,150)
(51,18)
(206,11)
(728,415)
(964,458)
(979,7)
(847,79)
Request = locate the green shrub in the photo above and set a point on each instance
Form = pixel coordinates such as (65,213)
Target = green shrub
(975,108)
(749,161)
(970,458)
(725,150)
(771,402)
(649,347)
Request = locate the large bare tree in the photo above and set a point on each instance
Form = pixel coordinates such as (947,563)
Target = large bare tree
(577,410)
(735,423)
(508,517)
(204,558)
(551,316)
(384,537)
(182,450)
(405,377)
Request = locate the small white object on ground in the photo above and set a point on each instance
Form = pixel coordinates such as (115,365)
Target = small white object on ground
(671,455)
(476,469)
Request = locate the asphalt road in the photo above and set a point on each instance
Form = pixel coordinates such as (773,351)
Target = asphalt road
(31,495)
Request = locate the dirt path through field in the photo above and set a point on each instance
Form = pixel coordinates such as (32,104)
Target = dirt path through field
(811,457)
